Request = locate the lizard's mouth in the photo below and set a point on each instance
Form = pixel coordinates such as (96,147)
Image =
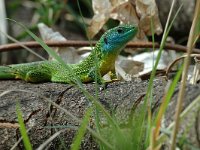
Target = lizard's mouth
(131,33)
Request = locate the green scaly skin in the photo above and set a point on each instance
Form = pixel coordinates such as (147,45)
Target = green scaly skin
(105,53)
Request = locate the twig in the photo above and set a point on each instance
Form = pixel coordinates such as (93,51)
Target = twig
(169,68)
(9,125)
(33,44)
(50,139)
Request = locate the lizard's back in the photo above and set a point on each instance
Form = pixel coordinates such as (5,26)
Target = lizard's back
(44,71)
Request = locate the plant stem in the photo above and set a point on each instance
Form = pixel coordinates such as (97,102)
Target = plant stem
(184,76)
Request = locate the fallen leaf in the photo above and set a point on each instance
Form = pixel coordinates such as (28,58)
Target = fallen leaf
(68,54)
(138,12)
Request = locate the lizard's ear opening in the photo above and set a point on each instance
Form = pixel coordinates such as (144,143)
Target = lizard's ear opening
(105,40)
(120,30)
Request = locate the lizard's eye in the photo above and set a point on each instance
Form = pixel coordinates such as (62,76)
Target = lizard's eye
(119,30)
(105,40)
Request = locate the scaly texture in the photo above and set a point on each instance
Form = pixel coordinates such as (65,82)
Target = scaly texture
(103,57)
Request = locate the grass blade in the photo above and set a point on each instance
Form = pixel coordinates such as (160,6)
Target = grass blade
(81,131)
(163,107)
(22,128)
(190,46)
(150,85)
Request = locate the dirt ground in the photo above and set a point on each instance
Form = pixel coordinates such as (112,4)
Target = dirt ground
(118,97)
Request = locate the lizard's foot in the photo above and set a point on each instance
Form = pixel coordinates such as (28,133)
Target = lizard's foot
(111,81)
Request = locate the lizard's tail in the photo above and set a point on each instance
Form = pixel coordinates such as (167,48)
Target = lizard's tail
(6,72)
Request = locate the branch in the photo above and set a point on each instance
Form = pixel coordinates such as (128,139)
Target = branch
(33,44)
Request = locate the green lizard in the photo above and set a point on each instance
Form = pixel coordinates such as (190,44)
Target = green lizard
(106,51)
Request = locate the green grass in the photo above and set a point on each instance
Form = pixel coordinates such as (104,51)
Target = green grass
(22,128)
(143,120)
(81,131)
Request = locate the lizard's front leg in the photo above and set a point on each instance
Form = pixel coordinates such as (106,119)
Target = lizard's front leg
(94,73)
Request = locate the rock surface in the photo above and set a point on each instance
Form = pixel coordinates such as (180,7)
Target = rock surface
(40,115)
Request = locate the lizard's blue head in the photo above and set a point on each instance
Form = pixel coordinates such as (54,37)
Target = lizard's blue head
(116,38)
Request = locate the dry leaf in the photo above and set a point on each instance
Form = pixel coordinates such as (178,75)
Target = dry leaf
(68,54)
(147,10)
(137,12)
(149,59)
(127,69)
